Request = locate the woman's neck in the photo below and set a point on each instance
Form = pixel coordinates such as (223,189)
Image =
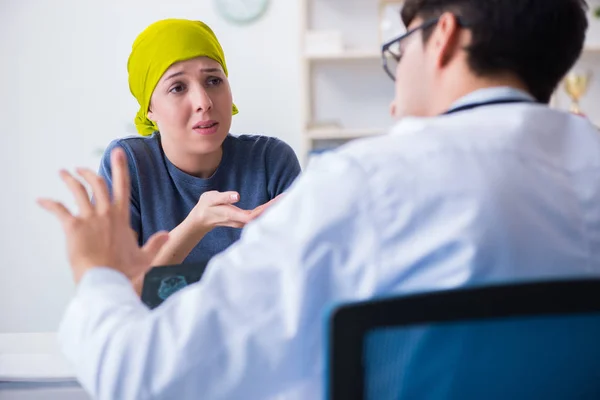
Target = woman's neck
(201,166)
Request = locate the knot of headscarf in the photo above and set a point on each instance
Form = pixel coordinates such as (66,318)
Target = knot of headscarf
(157,48)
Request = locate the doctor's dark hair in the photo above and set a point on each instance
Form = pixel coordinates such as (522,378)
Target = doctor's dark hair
(537,40)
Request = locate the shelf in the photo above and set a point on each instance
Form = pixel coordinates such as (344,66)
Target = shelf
(595,48)
(333,133)
(346,55)
(372,55)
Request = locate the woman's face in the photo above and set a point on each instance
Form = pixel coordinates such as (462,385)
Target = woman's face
(192,106)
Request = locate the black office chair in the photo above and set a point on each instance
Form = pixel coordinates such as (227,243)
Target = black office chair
(515,341)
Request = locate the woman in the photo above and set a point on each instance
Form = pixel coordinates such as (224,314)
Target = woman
(187,170)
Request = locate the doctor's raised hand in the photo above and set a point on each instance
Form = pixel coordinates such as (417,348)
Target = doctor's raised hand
(101,236)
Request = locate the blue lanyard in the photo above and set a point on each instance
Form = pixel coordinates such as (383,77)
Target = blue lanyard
(485,103)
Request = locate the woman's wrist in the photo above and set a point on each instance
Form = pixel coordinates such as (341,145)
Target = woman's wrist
(194,227)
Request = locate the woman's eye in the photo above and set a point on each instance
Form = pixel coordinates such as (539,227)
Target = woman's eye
(214,81)
(177,88)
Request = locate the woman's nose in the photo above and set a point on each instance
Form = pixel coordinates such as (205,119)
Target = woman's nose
(201,99)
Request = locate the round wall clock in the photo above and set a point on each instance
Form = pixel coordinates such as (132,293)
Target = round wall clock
(241,11)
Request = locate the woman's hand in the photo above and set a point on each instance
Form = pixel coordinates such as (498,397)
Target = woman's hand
(258,211)
(216,209)
(212,210)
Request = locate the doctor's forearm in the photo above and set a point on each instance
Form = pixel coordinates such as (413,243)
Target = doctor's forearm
(182,241)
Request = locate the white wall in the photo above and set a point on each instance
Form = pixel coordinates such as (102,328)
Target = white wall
(64,94)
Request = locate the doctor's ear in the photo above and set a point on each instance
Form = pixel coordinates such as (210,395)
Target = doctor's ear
(446,38)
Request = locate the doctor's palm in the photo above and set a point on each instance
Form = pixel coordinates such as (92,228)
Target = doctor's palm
(101,234)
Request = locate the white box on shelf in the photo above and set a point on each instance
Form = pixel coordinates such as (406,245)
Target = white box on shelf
(390,22)
(323,42)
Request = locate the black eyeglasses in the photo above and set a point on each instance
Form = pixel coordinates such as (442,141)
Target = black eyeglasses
(391,52)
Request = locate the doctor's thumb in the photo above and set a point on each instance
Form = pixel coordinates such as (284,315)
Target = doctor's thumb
(154,244)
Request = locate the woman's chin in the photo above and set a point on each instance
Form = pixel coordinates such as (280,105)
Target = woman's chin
(206,144)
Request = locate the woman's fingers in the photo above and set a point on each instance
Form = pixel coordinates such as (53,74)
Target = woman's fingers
(233,225)
(215,198)
(236,214)
(260,209)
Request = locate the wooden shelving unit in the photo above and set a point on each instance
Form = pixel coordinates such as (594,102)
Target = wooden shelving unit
(345,56)
(364,59)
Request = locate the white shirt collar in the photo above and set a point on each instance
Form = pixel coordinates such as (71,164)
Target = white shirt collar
(491,94)
(410,123)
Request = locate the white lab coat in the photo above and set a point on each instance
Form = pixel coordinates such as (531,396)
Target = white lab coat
(499,193)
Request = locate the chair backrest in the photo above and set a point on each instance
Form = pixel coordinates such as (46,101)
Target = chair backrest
(515,341)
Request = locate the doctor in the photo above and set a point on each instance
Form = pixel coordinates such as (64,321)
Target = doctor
(479,182)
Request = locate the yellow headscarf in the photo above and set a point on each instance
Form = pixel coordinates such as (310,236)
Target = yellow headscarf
(157,48)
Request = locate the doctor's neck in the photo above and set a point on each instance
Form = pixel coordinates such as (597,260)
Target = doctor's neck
(451,90)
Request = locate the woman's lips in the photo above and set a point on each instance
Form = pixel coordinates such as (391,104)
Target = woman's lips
(206,127)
